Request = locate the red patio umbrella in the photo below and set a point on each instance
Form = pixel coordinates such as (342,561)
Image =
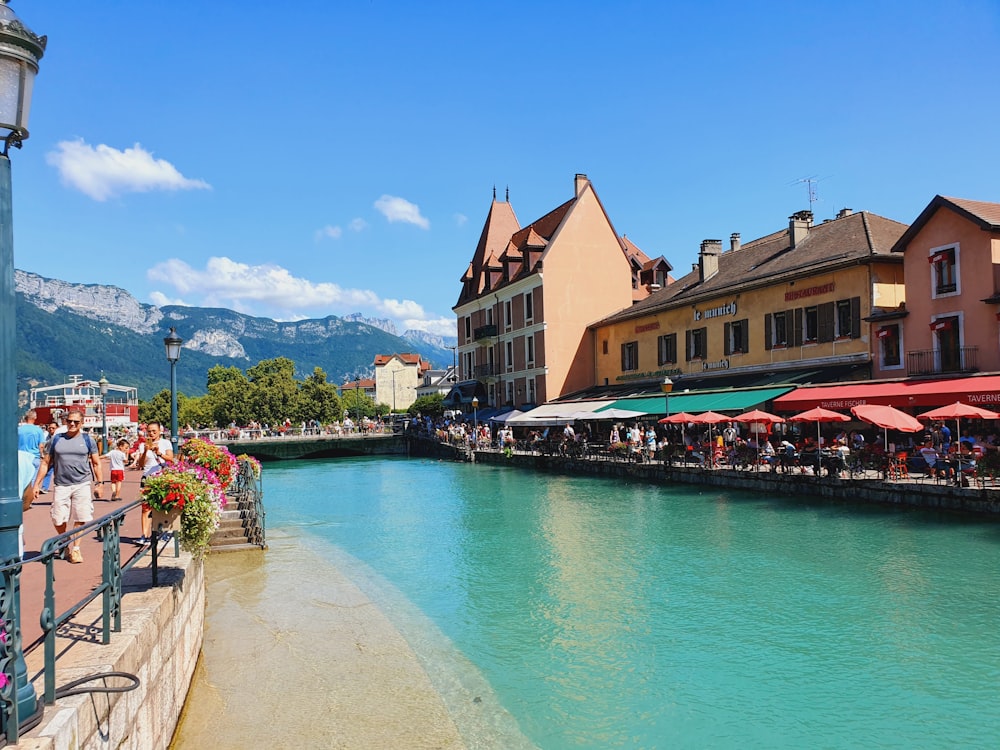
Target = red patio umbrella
(680,418)
(819,415)
(754,418)
(886,417)
(957,411)
(710,418)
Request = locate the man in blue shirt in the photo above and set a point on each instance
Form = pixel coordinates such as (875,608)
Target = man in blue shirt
(30,437)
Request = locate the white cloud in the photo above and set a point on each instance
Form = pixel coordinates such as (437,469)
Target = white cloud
(103,172)
(226,283)
(328,233)
(272,291)
(358,224)
(161,300)
(437,326)
(399,209)
(460,220)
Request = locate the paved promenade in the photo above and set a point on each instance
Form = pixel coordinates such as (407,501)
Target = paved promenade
(73,582)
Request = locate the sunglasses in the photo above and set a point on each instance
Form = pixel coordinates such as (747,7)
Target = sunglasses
(74,421)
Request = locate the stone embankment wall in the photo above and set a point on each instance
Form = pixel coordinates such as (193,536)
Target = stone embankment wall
(919,494)
(160,641)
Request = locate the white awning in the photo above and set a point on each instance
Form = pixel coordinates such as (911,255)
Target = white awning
(549,415)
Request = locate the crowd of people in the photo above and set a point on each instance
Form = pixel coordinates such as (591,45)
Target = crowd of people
(794,448)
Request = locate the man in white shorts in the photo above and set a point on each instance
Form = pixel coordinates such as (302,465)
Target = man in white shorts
(77,464)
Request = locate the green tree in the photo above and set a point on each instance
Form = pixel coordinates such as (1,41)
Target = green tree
(228,398)
(357,403)
(157,409)
(318,399)
(274,393)
(428,406)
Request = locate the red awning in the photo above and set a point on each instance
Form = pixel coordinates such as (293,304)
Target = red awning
(978,391)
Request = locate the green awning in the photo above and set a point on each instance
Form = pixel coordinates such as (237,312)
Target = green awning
(695,402)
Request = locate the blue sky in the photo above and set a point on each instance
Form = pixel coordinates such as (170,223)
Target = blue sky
(311,158)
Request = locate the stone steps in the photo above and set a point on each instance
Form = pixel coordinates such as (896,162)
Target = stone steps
(232,534)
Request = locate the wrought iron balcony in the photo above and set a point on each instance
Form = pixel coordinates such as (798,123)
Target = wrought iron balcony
(935,361)
(483,334)
(486,373)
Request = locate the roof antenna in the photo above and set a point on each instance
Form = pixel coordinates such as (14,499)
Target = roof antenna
(810,183)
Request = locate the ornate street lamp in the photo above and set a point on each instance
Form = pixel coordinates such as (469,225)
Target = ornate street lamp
(666,386)
(20,51)
(475,421)
(173,344)
(103,383)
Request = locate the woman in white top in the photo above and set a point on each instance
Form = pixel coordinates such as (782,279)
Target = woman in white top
(156,453)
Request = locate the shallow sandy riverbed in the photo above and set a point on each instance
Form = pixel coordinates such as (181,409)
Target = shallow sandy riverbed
(289,662)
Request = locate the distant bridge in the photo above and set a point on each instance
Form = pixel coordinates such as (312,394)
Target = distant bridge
(318,446)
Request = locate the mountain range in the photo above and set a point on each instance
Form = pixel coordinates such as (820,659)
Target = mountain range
(88,329)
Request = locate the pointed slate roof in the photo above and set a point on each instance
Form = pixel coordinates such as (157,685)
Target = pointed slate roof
(844,241)
(500,224)
(985,215)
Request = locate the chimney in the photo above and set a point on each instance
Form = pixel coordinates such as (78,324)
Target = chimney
(798,226)
(844,212)
(734,242)
(579,183)
(708,259)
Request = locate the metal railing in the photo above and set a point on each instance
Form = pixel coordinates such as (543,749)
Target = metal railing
(931,361)
(484,332)
(247,490)
(113,569)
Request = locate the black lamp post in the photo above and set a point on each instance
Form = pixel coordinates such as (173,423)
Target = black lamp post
(103,383)
(666,386)
(475,421)
(173,344)
(20,51)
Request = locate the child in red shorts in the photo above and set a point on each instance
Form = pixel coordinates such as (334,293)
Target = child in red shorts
(118,457)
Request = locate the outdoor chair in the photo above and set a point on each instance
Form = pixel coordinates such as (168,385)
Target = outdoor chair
(897,468)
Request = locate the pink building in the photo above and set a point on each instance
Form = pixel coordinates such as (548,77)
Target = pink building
(529,294)
(952,273)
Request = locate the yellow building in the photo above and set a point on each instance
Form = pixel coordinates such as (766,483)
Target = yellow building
(793,306)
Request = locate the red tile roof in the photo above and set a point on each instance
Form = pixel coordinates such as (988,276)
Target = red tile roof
(985,215)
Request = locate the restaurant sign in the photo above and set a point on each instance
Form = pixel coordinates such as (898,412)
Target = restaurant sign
(716,312)
(721,364)
(809,291)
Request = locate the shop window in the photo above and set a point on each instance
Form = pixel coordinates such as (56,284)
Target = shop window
(696,344)
(666,349)
(810,332)
(889,345)
(944,272)
(737,335)
(630,356)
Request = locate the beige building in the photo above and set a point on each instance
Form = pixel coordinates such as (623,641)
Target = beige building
(794,305)
(397,377)
(529,294)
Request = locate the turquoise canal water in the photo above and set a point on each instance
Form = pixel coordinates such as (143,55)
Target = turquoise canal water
(602,614)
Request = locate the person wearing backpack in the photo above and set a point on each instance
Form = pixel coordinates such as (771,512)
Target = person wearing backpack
(77,464)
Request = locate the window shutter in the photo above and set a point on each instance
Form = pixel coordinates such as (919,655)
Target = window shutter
(704,344)
(624,368)
(768,334)
(825,316)
(855,317)
(797,328)
(745,331)
(687,345)
(728,333)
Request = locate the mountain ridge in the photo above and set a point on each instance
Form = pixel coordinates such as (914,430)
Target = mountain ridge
(61,326)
